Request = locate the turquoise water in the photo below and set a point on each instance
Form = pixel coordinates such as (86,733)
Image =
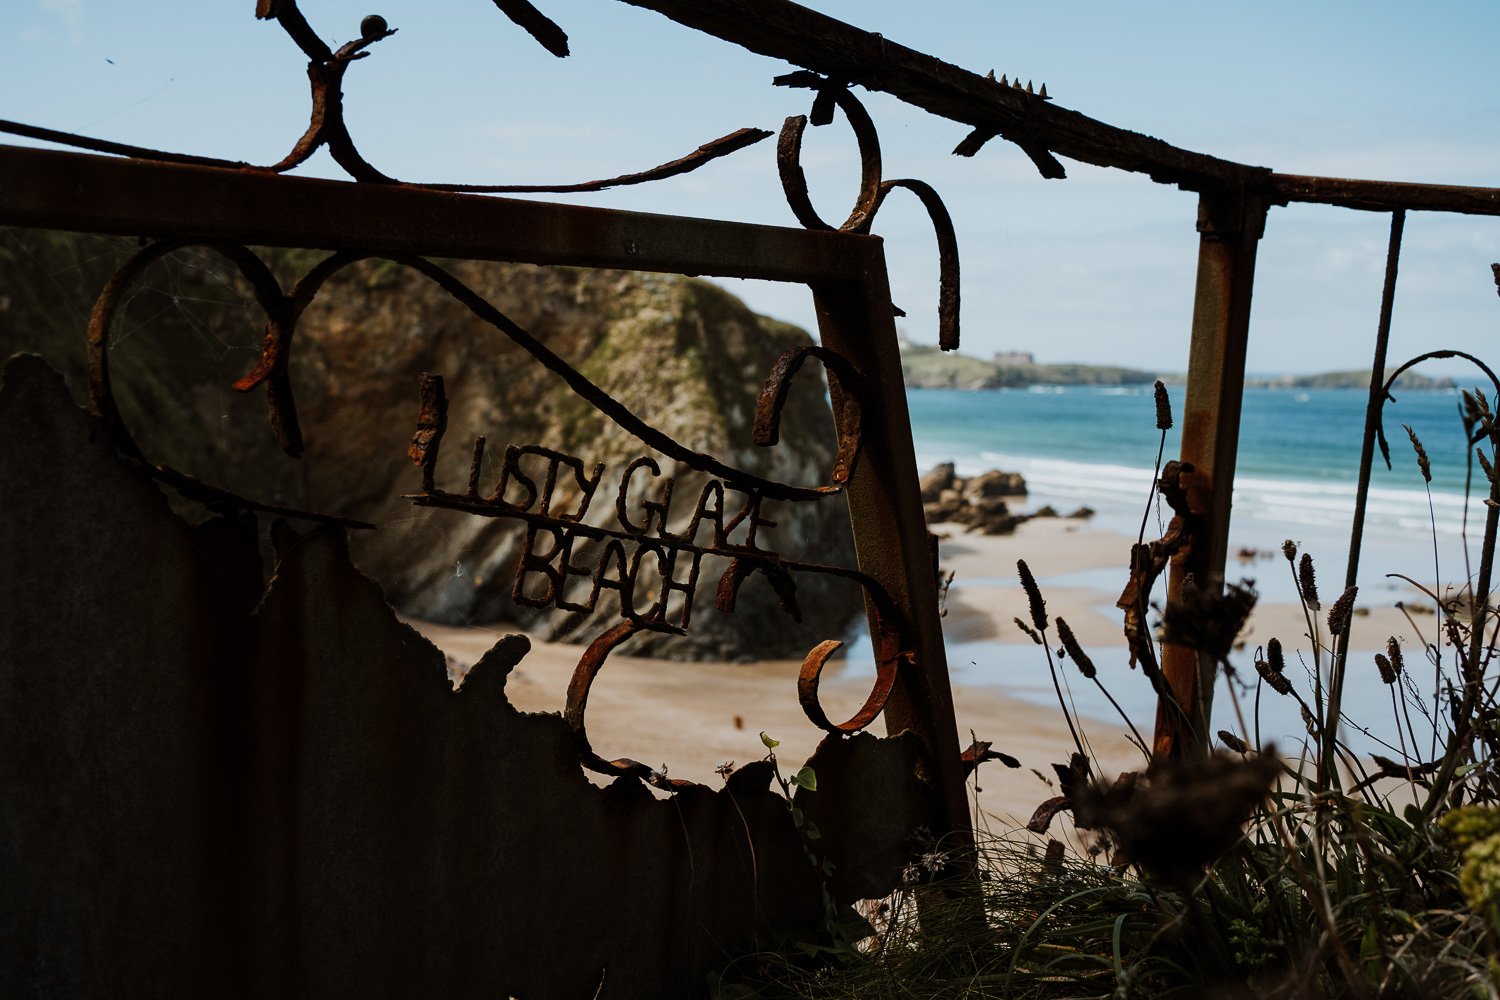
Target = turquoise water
(1298,451)
(1297,469)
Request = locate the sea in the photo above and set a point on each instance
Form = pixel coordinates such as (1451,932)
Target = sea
(1297,470)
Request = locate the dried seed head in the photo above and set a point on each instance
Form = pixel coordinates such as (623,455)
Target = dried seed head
(1422,462)
(1209,622)
(1468,411)
(1341,612)
(1070,643)
(1232,741)
(1393,650)
(1307,581)
(1484,463)
(1289,549)
(1033,596)
(1028,630)
(1163,408)
(1387,671)
(1486,418)
(1270,668)
(1181,815)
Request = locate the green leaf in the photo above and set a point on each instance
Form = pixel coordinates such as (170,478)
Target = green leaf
(1370,943)
(770,743)
(805,778)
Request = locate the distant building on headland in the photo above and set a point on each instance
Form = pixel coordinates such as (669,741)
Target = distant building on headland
(1014,358)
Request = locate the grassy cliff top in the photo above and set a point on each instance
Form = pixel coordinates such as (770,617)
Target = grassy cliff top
(926,367)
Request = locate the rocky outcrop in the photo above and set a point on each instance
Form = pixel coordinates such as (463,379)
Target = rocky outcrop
(979,502)
(681,353)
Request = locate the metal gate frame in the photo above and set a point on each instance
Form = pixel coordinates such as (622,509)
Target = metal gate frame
(845,272)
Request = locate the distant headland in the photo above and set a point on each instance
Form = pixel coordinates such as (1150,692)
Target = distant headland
(926,367)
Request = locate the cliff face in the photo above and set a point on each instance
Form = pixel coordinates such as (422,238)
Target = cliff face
(683,354)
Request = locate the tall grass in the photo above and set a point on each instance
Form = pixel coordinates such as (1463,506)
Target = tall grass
(1322,873)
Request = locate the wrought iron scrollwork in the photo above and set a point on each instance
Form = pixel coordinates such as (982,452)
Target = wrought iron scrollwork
(283,309)
(283,312)
(556,563)
(589,664)
(326,125)
(873,190)
(789,154)
(844,386)
(325,71)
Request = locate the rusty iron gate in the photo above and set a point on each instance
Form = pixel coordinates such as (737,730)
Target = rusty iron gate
(1233,202)
(249,827)
(217,812)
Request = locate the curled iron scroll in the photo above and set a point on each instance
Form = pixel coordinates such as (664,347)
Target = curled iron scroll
(589,664)
(844,387)
(280,319)
(886,671)
(947,241)
(789,154)
(893,653)
(872,189)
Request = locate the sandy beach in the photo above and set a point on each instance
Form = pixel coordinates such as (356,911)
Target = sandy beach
(694,716)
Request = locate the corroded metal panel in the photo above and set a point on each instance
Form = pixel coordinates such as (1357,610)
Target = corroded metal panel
(223,787)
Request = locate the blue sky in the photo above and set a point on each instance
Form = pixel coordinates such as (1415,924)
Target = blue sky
(1098,267)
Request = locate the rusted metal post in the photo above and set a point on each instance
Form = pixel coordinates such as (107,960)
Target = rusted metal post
(1362,492)
(890,531)
(1230,225)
